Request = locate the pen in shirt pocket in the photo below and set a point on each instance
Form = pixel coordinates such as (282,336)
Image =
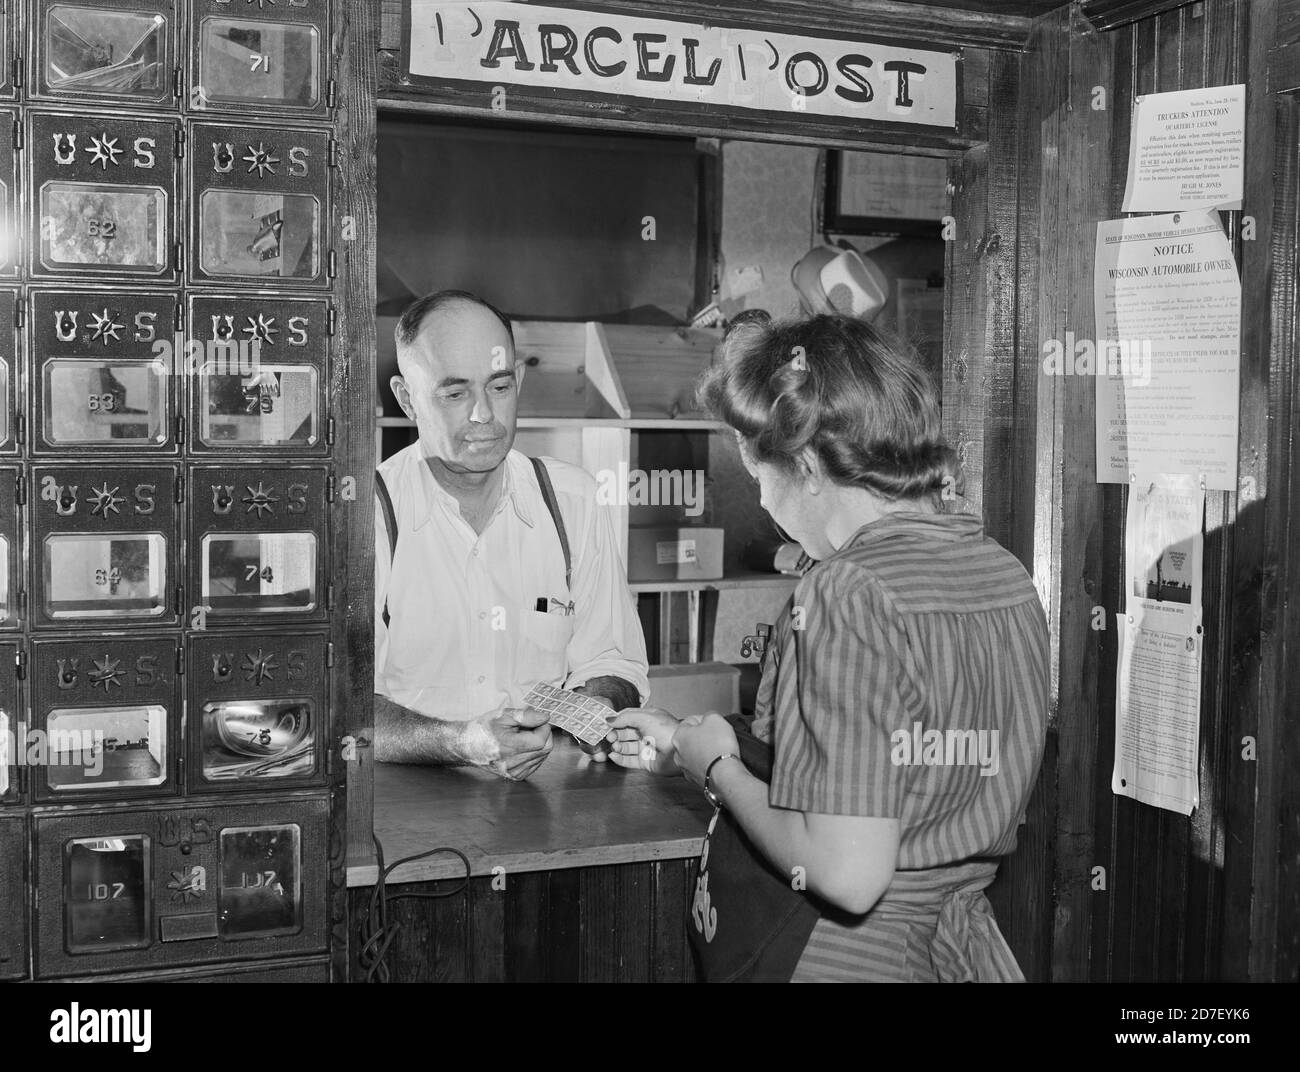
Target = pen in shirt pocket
(553,606)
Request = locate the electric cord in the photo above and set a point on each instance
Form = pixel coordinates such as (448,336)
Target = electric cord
(376,933)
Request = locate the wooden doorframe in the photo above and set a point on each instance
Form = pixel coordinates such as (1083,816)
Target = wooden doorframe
(990,379)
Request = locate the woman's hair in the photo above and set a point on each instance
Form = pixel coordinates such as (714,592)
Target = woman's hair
(837,385)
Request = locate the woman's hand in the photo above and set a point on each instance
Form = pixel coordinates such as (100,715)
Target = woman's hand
(642,738)
(698,743)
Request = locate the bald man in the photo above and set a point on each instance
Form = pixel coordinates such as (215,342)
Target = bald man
(476,598)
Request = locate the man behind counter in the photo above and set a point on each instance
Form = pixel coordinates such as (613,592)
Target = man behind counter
(471,604)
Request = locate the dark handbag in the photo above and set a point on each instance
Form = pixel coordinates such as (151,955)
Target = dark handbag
(747,924)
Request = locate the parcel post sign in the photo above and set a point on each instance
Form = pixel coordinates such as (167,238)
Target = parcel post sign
(585,52)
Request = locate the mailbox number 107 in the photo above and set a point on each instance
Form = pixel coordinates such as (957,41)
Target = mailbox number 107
(102,891)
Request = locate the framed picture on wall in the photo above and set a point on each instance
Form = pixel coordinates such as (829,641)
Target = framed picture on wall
(886,194)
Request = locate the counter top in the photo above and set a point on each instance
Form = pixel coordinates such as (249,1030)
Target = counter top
(570,813)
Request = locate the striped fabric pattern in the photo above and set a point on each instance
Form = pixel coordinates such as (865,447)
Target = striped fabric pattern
(920,623)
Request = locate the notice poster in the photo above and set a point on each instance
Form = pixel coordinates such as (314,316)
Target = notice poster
(1157,718)
(1167,355)
(1187,150)
(1157,713)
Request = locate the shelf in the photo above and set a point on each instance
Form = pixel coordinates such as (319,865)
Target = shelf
(749,579)
(682,424)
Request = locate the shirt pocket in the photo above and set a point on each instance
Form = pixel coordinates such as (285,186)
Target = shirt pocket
(543,644)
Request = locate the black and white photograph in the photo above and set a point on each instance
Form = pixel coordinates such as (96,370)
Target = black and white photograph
(611,492)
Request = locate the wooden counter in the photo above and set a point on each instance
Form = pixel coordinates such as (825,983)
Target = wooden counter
(570,813)
(598,869)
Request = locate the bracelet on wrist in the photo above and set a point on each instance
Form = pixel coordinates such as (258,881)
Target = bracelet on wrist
(708,775)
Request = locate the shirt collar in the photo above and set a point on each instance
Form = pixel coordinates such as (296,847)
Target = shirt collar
(430,493)
(949,528)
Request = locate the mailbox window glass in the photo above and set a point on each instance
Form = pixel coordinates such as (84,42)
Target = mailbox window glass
(115,575)
(105,402)
(106,747)
(260,881)
(4,395)
(257,739)
(107,894)
(86,225)
(4,753)
(8,254)
(265,572)
(273,406)
(263,62)
(257,236)
(89,50)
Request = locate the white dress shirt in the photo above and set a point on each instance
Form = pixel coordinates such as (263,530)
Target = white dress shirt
(464,635)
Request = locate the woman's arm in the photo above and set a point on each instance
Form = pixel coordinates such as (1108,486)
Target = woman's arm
(847,860)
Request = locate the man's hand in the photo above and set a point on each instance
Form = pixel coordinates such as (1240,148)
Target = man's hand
(644,740)
(523,741)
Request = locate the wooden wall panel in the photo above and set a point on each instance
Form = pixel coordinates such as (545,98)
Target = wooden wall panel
(621,923)
(1186,898)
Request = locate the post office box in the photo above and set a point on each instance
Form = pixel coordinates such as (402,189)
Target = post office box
(12,588)
(8,371)
(259,204)
(271,58)
(102,195)
(103,50)
(11,238)
(103,369)
(258,710)
(263,374)
(13,730)
(258,543)
(13,897)
(180,884)
(107,712)
(104,546)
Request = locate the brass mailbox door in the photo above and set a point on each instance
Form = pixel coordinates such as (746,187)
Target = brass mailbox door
(11,585)
(109,713)
(102,196)
(88,51)
(13,733)
(104,546)
(259,201)
(9,367)
(257,710)
(173,885)
(10,234)
(258,544)
(270,58)
(260,385)
(103,365)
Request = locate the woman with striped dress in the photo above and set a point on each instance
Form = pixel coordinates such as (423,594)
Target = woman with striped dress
(905,691)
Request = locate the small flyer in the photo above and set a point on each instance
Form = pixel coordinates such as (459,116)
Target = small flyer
(1158,689)
(1187,150)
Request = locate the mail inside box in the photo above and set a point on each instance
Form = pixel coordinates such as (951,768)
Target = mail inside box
(695,689)
(674,553)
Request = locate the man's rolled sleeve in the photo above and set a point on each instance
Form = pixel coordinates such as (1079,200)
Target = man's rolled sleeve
(607,639)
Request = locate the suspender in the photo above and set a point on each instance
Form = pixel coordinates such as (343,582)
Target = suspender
(390,523)
(548,495)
